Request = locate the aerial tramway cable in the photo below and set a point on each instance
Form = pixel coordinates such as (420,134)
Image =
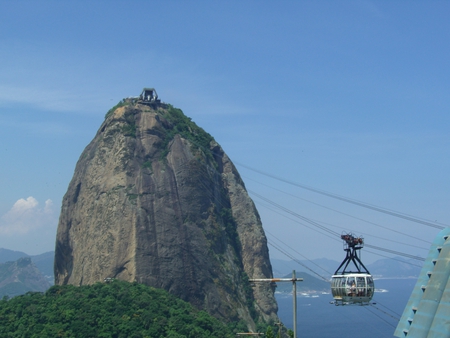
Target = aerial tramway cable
(367,308)
(396,252)
(397,316)
(327,235)
(411,218)
(349,200)
(296,260)
(348,215)
(393,258)
(267,206)
(334,234)
(336,239)
(316,224)
(295,214)
(286,245)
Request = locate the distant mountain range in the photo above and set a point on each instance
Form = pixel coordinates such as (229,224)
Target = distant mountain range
(310,284)
(20,272)
(20,276)
(11,255)
(315,272)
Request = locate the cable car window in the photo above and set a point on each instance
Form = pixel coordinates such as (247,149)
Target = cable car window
(351,286)
(360,282)
(341,283)
(370,286)
(361,286)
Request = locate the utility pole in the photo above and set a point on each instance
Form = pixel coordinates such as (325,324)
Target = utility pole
(294,281)
(280,325)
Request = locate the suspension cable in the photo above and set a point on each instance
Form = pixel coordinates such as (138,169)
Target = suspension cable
(390,324)
(324,228)
(296,260)
(395,252)
(349,200)
(295,214)
(395,259)
(395,313)
(342,213)
(283,243)
(333,237)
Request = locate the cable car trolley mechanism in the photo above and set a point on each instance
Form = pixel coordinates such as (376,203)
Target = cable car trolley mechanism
(352,287)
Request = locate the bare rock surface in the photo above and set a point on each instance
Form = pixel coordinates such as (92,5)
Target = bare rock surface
(154,199)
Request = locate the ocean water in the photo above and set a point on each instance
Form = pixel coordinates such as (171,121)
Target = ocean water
(316,317)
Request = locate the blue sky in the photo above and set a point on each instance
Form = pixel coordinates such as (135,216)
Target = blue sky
(350,97)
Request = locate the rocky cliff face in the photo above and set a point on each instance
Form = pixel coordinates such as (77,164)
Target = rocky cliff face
(154,199)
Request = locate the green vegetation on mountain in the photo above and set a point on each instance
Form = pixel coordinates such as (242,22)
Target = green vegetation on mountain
(118,105)
(115,309)
(180,124)
(185,127)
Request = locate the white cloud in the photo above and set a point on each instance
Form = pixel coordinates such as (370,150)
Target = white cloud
(26,215)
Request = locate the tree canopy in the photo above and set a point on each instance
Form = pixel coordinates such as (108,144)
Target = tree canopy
(115,309)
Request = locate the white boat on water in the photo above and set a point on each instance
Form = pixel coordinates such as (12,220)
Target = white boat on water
(381,290)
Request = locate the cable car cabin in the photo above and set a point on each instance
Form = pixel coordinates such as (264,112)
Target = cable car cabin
(352,287)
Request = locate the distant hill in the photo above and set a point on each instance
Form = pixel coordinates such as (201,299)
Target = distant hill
(21,276)
(323,266)
(397,267)
(10,255)
(44,261)
(310,284)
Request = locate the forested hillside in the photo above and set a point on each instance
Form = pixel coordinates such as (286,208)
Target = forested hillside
(115,309)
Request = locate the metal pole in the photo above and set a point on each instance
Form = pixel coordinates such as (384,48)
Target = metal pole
(280,326)
(294,297)
(294,281)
